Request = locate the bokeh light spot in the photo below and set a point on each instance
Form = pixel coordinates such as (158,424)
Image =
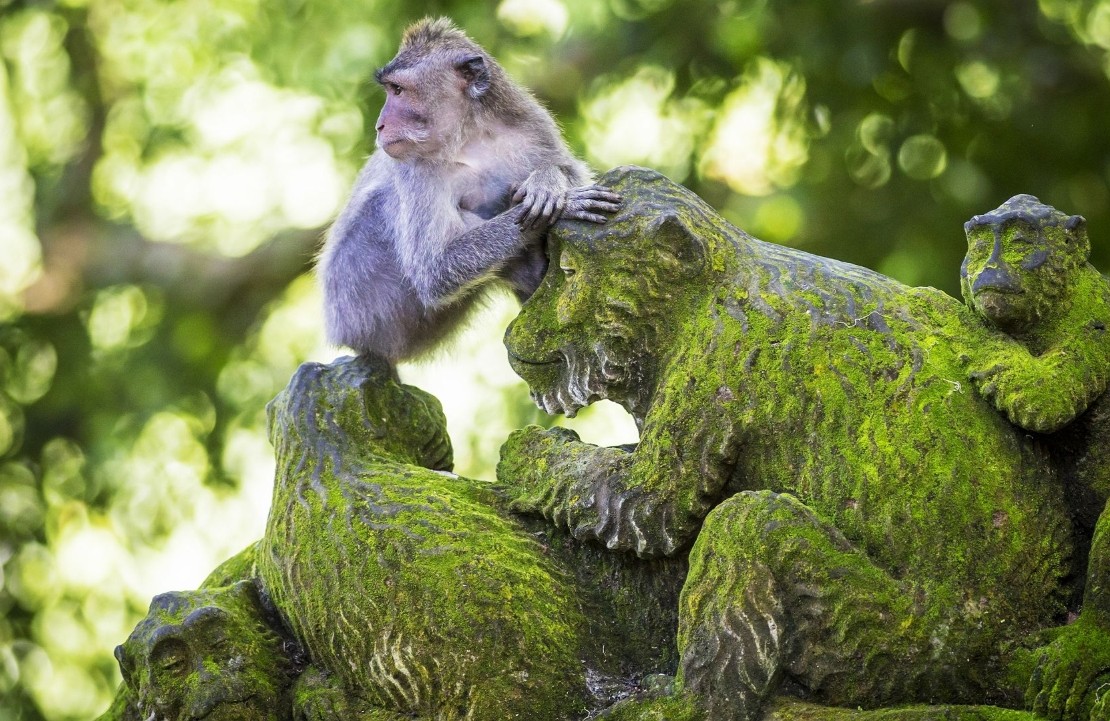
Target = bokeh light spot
(533,17)
(962,21)
(759,141)
(922,157)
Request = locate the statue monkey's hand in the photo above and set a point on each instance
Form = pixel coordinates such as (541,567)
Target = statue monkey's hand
(523,473)
(1072,676)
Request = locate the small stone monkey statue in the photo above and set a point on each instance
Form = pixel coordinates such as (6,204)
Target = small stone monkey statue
(1026,273)
(211,653)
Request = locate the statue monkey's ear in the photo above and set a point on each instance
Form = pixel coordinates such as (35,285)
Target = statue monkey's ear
(1075,235)
(474,70)
(686,247)
(126,664)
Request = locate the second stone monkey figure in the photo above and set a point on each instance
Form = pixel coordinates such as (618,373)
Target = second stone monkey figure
(469,173)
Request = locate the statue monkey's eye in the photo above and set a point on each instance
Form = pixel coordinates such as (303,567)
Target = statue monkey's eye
(567,266)
(170,656)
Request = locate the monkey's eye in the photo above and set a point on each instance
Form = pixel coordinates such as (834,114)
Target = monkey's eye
(393,88)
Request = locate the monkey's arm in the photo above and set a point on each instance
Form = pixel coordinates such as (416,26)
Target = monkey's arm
(318,696)
(476,255)
(470,259)
(1071,671)
(650,501)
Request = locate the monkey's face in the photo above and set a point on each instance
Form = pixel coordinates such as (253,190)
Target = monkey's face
(424,113)
(207,654)
(1014,272)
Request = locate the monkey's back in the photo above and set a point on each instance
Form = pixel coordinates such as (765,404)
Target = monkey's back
(422,598)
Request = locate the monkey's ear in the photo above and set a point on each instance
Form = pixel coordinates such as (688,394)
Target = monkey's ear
(1075,233)
(475,72)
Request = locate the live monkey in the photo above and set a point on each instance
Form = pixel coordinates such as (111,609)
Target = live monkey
(469,173)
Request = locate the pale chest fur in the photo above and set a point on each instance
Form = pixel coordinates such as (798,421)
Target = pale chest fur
(487,173)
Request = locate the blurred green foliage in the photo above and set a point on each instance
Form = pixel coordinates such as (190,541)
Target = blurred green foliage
(166,169)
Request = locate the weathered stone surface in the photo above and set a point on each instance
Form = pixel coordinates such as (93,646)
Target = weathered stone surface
(869,530)
(210,654)
(392,589)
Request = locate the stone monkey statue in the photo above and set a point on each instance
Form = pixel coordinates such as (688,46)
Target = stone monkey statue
(801,425)
(469,173)
(211,653)
(384,590)
(1026,274)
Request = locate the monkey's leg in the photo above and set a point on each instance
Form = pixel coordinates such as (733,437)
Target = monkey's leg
(777,595)
(319,697)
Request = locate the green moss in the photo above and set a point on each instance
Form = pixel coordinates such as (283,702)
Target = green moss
(754,367)
(209,652)
(664,708)
(785,709)
(240,567)
(409,586)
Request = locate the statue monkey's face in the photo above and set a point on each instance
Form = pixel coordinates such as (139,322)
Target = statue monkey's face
(1019,262)
(206,654)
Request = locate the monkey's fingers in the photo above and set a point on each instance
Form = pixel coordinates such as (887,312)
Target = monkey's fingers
(583,214)
(550,212)
(602,206)
(560,206)
(528,209)
(542,212)
(595,192)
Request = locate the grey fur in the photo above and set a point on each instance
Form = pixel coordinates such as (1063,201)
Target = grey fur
(466,201)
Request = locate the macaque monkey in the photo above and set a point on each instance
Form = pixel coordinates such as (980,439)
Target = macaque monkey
(469,173)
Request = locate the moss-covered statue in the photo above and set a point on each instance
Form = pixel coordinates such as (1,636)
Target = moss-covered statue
(867,530)
(1026,274)
(385,588)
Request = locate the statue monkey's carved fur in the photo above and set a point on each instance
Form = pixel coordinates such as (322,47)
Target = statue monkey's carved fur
(469,173)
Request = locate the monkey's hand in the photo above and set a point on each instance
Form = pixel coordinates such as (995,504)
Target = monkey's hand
(1072,674)
(541,204)
(589,201)
(542,199)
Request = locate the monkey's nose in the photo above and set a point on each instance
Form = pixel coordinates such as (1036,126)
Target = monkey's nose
(381,127)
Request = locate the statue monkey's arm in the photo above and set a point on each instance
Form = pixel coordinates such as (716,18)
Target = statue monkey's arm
(650,500)
(1043,393)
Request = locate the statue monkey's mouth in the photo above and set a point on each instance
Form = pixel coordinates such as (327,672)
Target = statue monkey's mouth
(558,358)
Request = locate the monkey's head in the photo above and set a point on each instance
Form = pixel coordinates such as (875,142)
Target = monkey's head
(356,406)
(208,654)
(439,79)
(1020,262)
